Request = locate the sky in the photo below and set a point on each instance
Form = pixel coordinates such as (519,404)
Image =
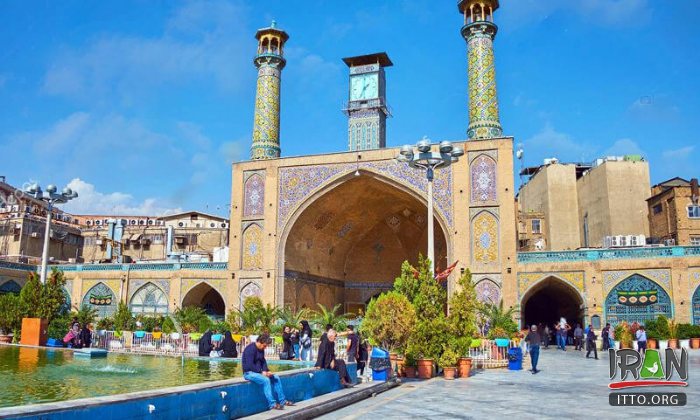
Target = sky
(142,105)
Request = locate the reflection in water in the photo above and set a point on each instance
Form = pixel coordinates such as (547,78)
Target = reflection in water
(31,375)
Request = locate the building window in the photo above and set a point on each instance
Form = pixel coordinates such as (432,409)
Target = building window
(695,241)
(694,212)
(536,227)
(656,209)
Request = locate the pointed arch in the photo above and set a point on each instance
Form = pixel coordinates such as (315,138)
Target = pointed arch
(251,254)
(485,243)
(10,286)
(482,173)
(254,195)
(149,299)
(205,296)
(101,298)
(696,306)
(487,291)
(251,289)
(637,299)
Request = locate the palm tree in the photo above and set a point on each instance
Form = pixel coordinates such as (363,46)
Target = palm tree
(291,318)
(498,317)
(267,316)
(325,316)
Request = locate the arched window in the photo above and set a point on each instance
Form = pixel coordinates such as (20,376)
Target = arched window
(10,287)
(696,306)
(101,298)
(637,299)
(149,299)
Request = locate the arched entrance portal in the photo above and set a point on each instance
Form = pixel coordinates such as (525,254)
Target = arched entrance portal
(207,298)
(348,244)
(549,300)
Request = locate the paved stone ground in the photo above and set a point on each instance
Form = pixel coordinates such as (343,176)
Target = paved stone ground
(569,386)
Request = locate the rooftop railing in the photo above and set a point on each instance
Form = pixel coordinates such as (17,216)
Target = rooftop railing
(213,266)
(608,254)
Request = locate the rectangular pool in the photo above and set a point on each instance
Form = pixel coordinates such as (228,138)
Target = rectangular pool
(37,375)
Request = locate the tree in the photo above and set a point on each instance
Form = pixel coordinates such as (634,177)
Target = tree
(30,296)
(464,307)
(123,319)
(389,321)
(191,319)
(86,315)
(325,316)
(247,319)
(291,318)
(53,299)
(499,318)
(10,313)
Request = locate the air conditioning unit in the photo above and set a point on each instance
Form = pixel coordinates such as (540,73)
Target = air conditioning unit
(669,242)
(622,240)
(223,225)
(15,207)
(4,210)
(99,241)
(34,234)
(132,221)
(180,240)
(98,222)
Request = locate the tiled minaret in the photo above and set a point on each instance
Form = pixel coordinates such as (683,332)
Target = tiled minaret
(479,31)
(270,62)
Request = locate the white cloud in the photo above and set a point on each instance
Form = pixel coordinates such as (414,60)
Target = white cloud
(202,41)
(615,13)
(624,147)
(682,153)
(549,142)
(91,201)
(654,108)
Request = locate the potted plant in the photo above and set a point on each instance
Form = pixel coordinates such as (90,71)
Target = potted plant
(685,331)
(662,331)
(500,336)
(695,337)
(623,336)
(672,334)
(448,362)
(409,364)
(652,334)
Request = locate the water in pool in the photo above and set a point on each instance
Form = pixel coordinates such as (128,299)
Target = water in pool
(32,375)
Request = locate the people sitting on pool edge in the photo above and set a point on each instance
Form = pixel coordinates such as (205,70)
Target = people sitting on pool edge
(327,358)
(77,338)
(255,370)
(227,347)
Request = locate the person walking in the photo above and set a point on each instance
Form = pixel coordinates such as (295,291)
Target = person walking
(545,336)
(590,343)
(605,335)
(256,371)
(641,339)
(533,339)
(578,337)
(305,341)
(563,333)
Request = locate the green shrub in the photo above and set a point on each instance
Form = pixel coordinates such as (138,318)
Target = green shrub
(123,319)
(168,326)
(448,358)
(106,323)
(685,331)
(191,319)
(58,327)
(86,315)
(10,313)
(662,328)
(221,327)
(389,321)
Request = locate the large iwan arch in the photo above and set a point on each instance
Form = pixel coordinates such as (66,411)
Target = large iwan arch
(549,300)
(350,238)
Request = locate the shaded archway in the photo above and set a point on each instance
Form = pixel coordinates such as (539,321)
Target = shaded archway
(357,231)
(206,297)
(549,300)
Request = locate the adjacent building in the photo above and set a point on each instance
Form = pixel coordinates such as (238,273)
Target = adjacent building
(583,204)
(674,212)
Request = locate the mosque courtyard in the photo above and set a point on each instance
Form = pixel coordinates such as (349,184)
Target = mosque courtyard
(568,386)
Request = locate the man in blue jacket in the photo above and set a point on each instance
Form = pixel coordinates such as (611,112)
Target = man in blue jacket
(255,370)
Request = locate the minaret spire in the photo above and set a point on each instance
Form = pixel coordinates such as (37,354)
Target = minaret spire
(270,62)
(479,31)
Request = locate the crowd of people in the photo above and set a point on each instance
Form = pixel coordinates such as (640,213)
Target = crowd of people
(297,346)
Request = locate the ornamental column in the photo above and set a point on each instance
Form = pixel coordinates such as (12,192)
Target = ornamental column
(270,62)
(479,31)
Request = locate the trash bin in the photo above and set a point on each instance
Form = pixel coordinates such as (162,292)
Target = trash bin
(380,364)
(515,358)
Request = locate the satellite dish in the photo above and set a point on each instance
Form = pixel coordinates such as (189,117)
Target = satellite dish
(519,154)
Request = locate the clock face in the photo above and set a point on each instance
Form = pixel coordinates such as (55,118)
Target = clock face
(364,86)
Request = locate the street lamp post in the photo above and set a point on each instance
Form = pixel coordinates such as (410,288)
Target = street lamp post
(427,160)
(52,197)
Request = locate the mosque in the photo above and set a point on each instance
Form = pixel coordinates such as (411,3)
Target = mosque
(335,228)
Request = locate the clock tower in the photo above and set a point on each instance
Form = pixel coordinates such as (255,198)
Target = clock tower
(367,109)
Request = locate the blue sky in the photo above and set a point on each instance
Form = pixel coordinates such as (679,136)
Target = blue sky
(142,105)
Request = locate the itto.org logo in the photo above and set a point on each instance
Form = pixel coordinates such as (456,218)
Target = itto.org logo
(647,369)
